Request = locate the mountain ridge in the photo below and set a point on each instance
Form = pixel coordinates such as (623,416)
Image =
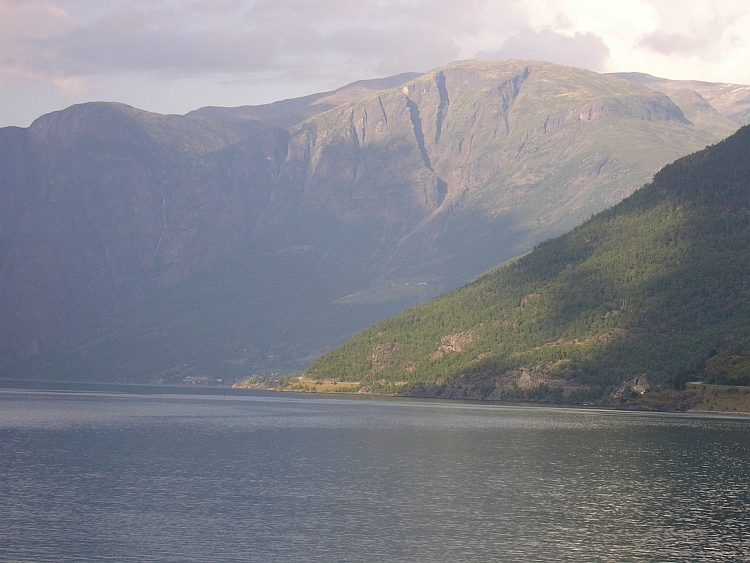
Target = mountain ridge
(286,113)
(730,100)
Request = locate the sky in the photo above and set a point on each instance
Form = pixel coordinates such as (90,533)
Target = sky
(173,56)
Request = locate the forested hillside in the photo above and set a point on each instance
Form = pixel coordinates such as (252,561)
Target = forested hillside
(648,294)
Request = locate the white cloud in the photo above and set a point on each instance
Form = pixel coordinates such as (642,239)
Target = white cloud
(247,50)
(24,26)
(672,43)
(584,50)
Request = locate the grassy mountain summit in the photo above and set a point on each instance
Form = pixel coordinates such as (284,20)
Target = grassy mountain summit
(652,292)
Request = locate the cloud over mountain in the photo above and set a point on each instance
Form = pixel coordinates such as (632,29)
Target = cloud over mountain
(585,50)
(176,55)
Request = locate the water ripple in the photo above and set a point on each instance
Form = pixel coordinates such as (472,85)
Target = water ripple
(93,478)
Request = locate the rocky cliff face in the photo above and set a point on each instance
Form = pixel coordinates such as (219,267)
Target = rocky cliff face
(476,162)
(197,243)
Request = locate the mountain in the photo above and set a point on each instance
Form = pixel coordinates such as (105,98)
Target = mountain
(286,113)
(83,202)
(474,163)
(141,247)
(653,292)
(730,100)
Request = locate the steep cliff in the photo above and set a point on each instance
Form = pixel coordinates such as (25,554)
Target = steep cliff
(474,163)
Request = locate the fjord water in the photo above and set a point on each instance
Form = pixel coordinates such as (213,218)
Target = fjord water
(267,477)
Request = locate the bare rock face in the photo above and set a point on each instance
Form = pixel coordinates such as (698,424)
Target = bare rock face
(382,353)
(479,161)
(138,244)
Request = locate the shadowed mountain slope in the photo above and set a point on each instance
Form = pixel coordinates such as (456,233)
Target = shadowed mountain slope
(92,219)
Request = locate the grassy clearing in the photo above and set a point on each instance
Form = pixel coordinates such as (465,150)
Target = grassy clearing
(309,385)
(695,398)
(721,398)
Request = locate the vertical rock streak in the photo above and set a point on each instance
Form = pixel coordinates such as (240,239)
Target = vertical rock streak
(509,91)
(442,188)
(443,106)
(357,144)
(385,115)
(416,123)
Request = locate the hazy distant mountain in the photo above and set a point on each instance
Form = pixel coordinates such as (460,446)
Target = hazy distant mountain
(730,100)
(144,247)
(89,224)
(651,293)
(286,113)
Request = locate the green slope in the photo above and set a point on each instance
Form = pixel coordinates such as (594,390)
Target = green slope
(642,294)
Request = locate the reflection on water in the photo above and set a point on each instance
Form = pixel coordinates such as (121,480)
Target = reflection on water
(95,477)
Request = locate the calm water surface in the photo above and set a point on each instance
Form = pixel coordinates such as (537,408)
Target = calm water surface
(126,477)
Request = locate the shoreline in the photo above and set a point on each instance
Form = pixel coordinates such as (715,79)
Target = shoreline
(699,399)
